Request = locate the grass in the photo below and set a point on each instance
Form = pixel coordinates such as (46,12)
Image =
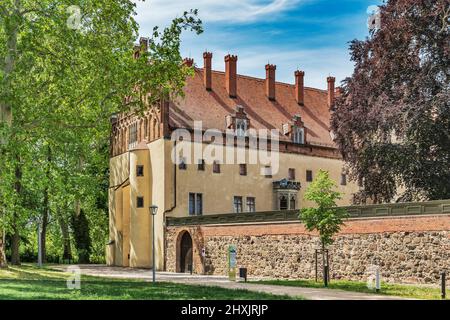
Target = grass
(399,290)
(31,283)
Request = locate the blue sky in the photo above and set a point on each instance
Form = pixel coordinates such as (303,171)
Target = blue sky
(311,35)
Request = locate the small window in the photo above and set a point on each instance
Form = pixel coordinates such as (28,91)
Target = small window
(241,127)
(199,204)
(133,133)
(251,204)
(182,164)
(140,202)
(201,165)
(268,172)
(243,169)
(309,175)
(216,167)
(291,174)
(195,204)
(298,135)
(343,179)
(237,204)
(140,171)
(283,203)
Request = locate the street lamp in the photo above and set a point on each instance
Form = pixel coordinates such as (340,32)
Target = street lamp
(153,210)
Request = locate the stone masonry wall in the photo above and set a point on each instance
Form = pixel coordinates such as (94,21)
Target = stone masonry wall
(406,249)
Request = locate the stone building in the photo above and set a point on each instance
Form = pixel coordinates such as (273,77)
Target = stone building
(143,171)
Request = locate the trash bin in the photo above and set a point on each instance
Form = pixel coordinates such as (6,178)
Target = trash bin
(243,273)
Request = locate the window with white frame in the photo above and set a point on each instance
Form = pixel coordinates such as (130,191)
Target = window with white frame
(251,204)
(298,135)
(241,127)
(237,204)
(195,204)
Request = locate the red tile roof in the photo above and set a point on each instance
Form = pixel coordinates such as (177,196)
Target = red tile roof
(213,106)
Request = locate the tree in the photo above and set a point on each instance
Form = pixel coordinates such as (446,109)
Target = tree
(63,72)
(326,218)
(392,119)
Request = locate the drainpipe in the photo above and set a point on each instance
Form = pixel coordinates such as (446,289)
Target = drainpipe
(170,210)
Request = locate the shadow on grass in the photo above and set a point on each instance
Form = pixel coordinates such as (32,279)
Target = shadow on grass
(103,289)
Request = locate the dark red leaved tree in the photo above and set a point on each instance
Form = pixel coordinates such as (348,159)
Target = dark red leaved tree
(392,120)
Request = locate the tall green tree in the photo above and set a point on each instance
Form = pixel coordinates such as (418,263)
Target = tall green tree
(325,218)
(65,67)
(392,121)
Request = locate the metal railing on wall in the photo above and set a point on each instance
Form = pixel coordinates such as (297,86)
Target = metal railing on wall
(366,211)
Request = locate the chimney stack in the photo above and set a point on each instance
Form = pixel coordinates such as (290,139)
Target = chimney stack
(330,81)
(207,56)
(270,81)
(143,43)
(231,75)
(299,87)
(188,62)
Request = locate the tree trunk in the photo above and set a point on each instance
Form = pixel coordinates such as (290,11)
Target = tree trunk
(67,252)
(9,62)
(15,240)
(324,266)
(15,243)
(45,217)
(6,116)
(43,229)
(3,262)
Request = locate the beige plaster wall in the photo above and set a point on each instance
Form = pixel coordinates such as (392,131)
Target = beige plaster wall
(219,189)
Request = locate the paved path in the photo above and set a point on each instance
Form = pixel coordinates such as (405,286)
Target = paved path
(221,281)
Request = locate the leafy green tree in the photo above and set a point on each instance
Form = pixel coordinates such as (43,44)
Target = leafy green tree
(326,218)
(65,67)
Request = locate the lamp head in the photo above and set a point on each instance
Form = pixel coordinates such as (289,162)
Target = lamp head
(153,209)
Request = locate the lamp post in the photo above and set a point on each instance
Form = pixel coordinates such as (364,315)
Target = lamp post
(153,210)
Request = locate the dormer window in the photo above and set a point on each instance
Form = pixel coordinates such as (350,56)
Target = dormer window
(295,130)
(241,127)
(298,135)
(238,122)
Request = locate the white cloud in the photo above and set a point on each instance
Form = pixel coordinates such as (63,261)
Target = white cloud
(159,12)
(317,63)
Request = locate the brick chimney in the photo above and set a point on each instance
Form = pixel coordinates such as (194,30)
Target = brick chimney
(207,56)
(299,87)
(270,81)
(330,81)
(188,62)
(230,75)
(143,43)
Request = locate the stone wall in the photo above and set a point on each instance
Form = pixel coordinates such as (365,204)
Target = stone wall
(406,249)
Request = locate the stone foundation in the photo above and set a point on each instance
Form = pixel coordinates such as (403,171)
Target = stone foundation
(406,249)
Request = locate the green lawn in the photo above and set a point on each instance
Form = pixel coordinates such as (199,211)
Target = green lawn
(28,282)
(400,290)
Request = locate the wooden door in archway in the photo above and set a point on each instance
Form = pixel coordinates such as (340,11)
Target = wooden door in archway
(186,253)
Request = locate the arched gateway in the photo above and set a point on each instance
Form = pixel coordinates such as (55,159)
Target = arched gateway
(184,252)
